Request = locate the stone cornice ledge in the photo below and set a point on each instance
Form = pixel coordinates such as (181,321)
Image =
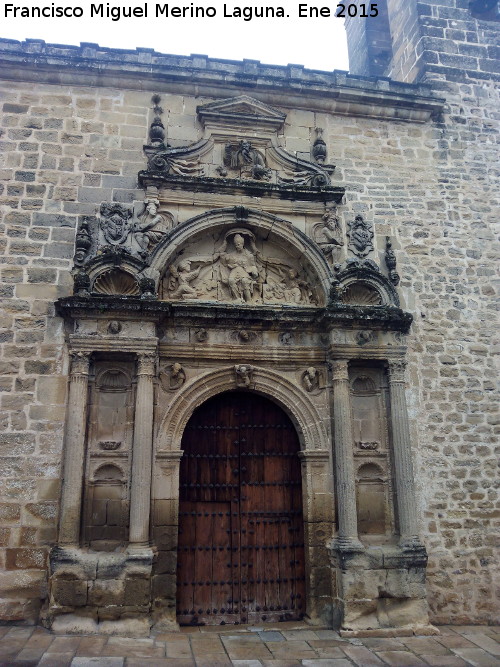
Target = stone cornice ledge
(145,69)
(387,318)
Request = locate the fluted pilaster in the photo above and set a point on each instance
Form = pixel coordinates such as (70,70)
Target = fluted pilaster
(405,485)
(344,462)
(74,450)
(140,491)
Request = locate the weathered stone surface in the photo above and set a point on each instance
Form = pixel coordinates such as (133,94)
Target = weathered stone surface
(416,170)
(69,593)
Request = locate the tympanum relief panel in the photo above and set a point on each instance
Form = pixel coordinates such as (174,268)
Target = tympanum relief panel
(239,268)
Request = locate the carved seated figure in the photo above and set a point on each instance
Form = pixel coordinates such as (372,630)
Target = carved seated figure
(329,235)
(242,267)
(147,231)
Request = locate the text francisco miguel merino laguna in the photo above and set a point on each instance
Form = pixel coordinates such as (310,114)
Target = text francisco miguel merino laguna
(115,12)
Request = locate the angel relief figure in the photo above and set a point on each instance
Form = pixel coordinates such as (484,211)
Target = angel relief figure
(180,280)
(292,289)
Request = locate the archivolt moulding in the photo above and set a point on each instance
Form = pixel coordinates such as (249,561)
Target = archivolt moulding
(310,428)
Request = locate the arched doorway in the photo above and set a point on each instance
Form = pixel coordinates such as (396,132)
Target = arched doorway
(241,542)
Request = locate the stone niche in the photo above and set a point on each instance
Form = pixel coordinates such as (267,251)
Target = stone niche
(100,586)
(107,470)
(374,493)
(380,584)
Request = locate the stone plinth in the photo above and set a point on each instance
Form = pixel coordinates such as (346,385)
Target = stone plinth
(106,593)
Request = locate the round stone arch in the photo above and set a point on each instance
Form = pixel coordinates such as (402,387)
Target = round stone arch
(317,493)
(265,224)
(304,415)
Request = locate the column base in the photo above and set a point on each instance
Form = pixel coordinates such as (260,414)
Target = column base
(138,547)
(347,545)
(382,587)
(100,592)
(411,543)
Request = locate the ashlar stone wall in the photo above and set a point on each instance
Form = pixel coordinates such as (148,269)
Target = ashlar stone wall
(67,147)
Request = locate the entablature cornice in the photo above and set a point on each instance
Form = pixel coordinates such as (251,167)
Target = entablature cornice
(322,320)
(375,352)
(336,92)
(239,187)
(91,344)
(237,353)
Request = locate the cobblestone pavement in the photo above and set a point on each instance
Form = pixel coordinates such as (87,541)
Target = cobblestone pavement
(284,645)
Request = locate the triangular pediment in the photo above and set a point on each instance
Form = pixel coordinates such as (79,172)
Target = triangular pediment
(241,111)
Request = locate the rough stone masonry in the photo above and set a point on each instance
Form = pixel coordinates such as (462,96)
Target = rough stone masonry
(322,244)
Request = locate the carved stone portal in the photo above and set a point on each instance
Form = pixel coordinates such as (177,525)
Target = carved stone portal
(238,272)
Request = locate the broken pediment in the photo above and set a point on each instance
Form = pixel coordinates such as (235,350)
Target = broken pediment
(241,112)
(240,153)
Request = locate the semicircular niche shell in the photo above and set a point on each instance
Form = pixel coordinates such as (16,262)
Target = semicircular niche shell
(363,384)
(361,294)
(116,282)
(113,380)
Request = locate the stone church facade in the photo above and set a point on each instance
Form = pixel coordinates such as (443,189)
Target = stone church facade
(248,332)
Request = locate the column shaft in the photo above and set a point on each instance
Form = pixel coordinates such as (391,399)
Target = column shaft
(74,450)
(344,462)
(405,489)
(140,491)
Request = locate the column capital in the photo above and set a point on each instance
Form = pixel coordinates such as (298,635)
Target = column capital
(340,369)
(397,368)
(146,362)
(80,362)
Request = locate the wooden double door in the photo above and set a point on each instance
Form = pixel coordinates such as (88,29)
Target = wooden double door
(241,540)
